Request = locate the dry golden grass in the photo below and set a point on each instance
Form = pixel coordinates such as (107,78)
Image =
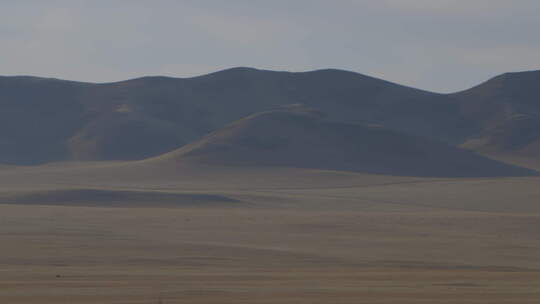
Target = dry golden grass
(299,236)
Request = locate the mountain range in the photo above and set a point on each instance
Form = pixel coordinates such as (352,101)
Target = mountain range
(330,119)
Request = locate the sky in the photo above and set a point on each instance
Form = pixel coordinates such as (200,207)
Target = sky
(437,45)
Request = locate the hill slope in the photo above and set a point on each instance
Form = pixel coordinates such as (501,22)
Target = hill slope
(44,120)
(296,137)
(50,119)
(507,111)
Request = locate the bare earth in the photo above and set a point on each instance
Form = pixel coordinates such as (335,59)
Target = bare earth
(264,235)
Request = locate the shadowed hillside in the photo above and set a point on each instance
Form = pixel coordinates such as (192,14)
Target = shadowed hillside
(37,117)
(115,198)
(50,119)
(507,111)
(45,120)
(298,137)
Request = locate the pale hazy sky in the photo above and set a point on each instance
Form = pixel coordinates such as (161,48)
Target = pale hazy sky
(439,45)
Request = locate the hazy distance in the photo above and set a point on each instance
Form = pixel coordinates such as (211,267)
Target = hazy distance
(442,46)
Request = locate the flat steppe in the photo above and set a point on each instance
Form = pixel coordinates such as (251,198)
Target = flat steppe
(108,232)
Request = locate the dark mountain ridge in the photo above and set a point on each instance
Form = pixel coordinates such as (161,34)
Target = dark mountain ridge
(46,119)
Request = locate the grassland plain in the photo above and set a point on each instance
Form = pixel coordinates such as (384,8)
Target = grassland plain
(270,235)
